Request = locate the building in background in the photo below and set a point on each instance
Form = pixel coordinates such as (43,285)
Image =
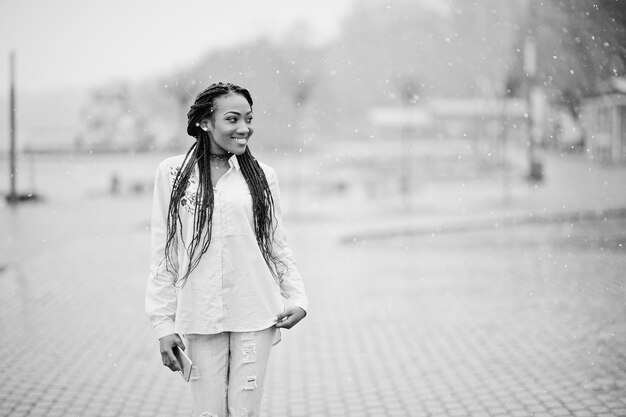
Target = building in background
(604,120)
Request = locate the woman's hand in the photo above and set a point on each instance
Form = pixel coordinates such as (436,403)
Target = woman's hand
(166,343)
(290,317)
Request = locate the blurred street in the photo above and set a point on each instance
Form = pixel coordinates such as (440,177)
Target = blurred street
(444,309)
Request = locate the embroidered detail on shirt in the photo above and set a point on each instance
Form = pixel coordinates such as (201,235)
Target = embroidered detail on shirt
(188,201)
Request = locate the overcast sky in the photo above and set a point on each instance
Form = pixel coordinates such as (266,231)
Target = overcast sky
(67,43)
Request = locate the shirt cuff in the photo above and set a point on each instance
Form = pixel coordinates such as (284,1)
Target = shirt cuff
(297,302)
(164,328)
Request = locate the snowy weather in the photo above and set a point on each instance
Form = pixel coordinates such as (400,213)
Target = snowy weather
(452,186)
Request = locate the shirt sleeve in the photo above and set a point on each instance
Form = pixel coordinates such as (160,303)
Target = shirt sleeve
(292,286)
(161,298)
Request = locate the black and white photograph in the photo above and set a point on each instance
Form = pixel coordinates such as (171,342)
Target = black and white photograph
(327,208)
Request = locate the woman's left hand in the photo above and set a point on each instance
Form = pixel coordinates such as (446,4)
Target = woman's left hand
(290,317)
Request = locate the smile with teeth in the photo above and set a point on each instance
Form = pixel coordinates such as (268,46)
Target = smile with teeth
(242,141)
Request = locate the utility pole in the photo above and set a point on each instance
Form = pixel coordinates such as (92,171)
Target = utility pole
(12,197)
(409,92)
(301,94)
(535,166)
(405,188)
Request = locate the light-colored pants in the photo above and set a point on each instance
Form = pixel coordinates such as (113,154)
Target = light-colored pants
(228,372)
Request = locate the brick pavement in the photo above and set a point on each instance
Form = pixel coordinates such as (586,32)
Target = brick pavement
(522,321)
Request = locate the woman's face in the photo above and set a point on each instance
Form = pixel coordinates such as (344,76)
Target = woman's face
(230,127)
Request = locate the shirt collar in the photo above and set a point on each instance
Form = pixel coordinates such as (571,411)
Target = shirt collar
(234,162)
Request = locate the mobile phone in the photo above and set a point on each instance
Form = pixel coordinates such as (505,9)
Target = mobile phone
(184,361)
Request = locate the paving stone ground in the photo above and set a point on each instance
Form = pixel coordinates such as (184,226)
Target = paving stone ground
(526,320)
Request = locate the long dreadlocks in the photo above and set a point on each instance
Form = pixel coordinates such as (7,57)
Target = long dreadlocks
(198,155)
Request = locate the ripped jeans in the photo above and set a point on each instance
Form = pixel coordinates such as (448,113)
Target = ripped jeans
(228,372)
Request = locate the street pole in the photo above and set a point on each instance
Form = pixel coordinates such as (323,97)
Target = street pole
(409,90)
(300,97)
(535,172)
(506,191)
(12,197)
(295,160)
(404,163)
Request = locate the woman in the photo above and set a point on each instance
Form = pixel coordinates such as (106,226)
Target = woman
(222,274)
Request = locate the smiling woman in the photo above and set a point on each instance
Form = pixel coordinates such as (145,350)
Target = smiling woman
(231,128)
(223,277)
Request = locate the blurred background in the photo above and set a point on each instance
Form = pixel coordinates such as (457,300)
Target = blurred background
(454,186)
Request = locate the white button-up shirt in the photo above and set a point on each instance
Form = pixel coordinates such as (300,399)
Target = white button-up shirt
(231,289)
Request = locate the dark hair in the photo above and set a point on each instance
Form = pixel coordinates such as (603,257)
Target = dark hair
(198,155)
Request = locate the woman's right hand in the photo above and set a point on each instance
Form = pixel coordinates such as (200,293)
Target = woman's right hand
(166,343)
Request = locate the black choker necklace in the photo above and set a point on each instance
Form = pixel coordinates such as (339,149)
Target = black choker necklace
(220,156)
